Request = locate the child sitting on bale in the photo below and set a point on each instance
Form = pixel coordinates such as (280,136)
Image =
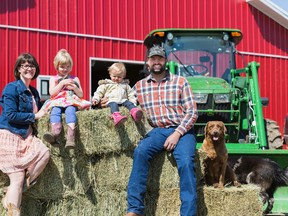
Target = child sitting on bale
(66,96)
(118,92)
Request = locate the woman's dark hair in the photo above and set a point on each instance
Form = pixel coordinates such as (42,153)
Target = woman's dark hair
(23,58)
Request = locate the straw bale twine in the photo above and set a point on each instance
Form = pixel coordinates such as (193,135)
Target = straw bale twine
(92,179)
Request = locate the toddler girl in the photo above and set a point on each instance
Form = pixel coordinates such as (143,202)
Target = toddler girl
(118,92)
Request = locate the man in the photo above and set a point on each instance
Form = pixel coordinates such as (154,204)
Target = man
(168,102)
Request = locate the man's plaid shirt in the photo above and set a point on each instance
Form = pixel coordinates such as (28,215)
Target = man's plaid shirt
(169,103)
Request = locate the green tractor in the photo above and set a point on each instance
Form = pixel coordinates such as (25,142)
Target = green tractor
(207,58)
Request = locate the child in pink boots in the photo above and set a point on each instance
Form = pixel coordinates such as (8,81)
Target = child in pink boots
(118,92)
(66,97)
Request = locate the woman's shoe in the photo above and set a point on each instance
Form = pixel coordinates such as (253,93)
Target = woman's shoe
(13,210)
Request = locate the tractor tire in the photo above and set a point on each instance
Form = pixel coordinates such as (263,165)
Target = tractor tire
(273,134)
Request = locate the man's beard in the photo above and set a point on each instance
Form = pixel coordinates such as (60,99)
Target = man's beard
(162,69)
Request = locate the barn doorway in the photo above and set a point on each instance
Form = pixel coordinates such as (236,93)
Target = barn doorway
(99,71)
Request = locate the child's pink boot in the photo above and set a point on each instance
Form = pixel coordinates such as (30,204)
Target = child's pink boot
(136,114)
(118,118)
(52,137)
(70,142)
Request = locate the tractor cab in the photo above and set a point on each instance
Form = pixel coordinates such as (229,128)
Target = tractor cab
(198,53)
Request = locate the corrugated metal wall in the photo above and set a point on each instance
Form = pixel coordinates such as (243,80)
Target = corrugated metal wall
(115,28)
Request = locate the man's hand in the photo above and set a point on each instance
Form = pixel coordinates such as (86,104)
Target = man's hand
(171,141)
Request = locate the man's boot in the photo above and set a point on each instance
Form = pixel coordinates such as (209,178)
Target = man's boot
(70,142)
(51,137)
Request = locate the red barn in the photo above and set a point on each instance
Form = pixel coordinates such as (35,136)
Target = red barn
(99,32)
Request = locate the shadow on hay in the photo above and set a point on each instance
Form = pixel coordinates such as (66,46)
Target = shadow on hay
(201,205)
(74,164)
(49,184)
(153,185)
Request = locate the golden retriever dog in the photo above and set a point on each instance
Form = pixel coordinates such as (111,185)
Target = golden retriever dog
(217,155)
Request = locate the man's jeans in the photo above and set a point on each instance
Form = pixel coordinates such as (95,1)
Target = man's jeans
(184,154)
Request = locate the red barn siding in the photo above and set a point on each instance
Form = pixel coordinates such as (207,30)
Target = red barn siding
(128,22)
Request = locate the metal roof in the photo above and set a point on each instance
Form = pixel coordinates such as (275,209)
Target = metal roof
(272,10)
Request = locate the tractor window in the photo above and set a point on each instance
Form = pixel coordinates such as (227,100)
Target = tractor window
(201,66)
(201,55)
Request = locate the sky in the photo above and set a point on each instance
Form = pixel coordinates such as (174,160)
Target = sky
(282,4)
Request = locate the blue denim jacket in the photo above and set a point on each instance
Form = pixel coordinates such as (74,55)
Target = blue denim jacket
(17,108)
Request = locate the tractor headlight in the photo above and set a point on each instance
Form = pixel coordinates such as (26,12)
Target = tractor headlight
(222,98)
(201,98)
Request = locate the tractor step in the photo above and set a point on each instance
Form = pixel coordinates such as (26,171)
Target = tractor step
(280,201)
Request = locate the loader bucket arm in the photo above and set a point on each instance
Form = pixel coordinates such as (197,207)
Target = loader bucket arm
(254,100)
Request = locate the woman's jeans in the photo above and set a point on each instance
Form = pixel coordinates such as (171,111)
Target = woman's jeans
(184,154)
(70,114)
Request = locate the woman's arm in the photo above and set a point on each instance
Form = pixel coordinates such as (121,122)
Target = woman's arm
(11,105)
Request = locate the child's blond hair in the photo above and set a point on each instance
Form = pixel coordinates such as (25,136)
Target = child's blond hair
(119,66)
(62,57)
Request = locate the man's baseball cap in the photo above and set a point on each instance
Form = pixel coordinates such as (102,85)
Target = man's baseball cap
(157,50)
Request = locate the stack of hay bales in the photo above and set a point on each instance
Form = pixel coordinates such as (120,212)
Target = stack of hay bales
(92,179)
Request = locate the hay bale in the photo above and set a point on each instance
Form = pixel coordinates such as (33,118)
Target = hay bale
(93,179)
(64,177)
(162,202)
(31,206)
(77,205)
(229,201)
(3,181)
(96,134)
(162,174)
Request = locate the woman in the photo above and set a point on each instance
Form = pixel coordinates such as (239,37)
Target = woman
(22,155)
